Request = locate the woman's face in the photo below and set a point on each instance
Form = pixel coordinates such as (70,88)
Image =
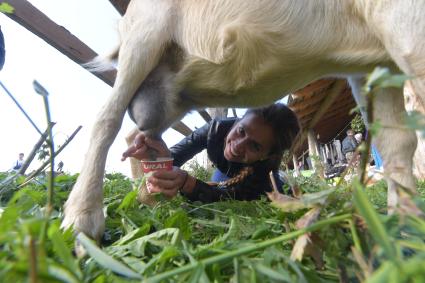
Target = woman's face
(250,140)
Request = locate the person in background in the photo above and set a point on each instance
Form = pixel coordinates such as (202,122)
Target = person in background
(245,150)
(358,137)
(60,166)
(349,145)
(300,165)
(19,162)
(2,50)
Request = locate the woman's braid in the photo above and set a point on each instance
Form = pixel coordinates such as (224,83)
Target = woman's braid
(245,172)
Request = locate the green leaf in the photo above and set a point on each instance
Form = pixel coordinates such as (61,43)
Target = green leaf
(180,220)
(6,8)
(136,233)
(381,275)
(290,204)
(285,203)
(100,279)
(374,128)
(136,247)
(417,223)
(260,233)
(415,245)
(375,78)
(222,239)
(414,267)
(237,271)
(382,78)
(62,274)
(316,198)
(394,81)
(272,274)
(104,259)
(416,121)
(8,219)
(62,250)
(128,200)
(168,253)
(199,275)
(375,226)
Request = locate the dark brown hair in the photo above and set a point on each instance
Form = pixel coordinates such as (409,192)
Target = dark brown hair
(285,126)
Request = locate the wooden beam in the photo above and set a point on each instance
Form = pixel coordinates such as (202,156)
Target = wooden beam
(120,5)
(60,38)
(314,86)
(341,108)
(315,100)
(299,100)
(329,119)
(204,114)
(341,99)
(182,128)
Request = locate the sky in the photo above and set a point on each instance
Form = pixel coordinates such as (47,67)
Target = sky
(75,95)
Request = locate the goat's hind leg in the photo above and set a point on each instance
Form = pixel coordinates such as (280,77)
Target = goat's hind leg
(400,25)
(142,44)
(395,143)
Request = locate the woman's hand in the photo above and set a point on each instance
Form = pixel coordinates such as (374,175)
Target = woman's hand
(143,148)
(168,182)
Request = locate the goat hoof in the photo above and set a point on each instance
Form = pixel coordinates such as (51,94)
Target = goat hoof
(90,222)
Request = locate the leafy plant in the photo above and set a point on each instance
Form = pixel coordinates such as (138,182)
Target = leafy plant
(199,171)
(6,8)
(177,241)
(357,124)
(329,233)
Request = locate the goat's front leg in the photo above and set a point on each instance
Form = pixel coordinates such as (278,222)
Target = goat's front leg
(84,207)
(143,42)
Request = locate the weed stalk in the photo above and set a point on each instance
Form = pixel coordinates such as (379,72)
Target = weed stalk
(365,153)
(33,260)
(51,177)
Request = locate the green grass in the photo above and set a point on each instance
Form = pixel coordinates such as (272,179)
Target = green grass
(178,241)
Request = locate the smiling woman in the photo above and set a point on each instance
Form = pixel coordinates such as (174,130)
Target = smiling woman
(244,150)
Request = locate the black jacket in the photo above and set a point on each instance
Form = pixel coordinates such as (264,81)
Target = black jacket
(212,137)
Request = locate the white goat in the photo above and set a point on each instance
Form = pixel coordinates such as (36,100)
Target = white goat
(176,56)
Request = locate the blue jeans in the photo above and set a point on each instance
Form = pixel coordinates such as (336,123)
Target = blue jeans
(218,176)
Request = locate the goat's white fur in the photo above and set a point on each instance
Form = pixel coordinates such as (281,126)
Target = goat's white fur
(250,53)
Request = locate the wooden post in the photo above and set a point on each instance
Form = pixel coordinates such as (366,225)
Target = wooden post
(296,169)
(332,151)
(312,147)
(337,144)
